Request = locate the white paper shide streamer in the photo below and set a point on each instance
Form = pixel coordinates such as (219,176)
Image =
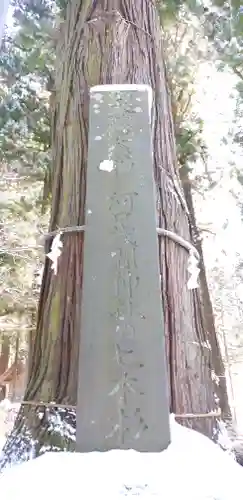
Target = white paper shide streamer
(193,270)
(56,250)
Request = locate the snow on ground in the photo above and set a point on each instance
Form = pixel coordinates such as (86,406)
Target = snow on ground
(8,413)
(192,468)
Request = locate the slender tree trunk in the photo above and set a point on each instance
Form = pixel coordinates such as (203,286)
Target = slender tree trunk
(109,42)
(216,356)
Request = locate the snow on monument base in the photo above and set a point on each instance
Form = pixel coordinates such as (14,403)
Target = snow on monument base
(192,468)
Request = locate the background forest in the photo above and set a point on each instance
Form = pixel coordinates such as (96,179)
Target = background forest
(203,46)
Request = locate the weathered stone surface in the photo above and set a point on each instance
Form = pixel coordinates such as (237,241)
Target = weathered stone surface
(122,393)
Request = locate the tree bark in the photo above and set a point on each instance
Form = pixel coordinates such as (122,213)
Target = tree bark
(107,42)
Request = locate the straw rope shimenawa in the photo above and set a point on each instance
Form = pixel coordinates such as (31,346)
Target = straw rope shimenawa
(212,414)
(161,232)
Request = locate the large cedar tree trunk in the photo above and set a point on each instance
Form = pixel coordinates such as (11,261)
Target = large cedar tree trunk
(105,42)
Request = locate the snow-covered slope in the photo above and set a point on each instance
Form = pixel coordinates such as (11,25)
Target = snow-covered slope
(192,468)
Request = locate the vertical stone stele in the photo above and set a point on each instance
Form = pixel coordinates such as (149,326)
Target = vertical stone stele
(122,386)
